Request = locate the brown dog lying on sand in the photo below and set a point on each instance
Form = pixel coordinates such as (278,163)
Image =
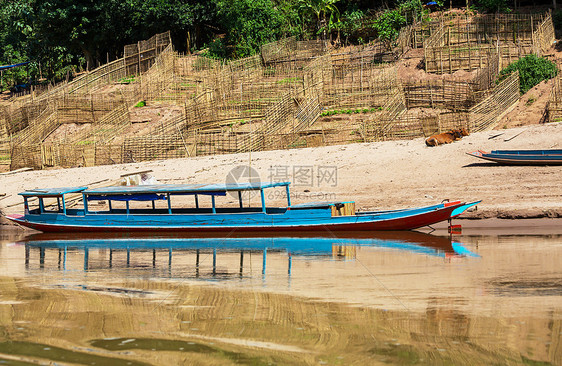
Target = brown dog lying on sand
(446,137)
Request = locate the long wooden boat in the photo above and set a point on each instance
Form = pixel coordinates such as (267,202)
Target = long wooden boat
(157,208)
(521,157)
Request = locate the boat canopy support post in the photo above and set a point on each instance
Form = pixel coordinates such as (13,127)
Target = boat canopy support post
(127,205)
(213,203)
(240,198)
(25,206)
(110,208)
(288,196)
(64,205)
(85,200)
(263,201)
(169,204)
(196,201)
(41,205)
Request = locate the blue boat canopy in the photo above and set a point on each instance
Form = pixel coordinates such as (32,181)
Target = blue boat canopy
(209,189)
(51,192)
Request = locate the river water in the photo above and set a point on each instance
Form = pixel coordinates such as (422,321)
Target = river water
(480,298)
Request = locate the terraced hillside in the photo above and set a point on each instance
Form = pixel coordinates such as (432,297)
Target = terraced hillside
(156,104)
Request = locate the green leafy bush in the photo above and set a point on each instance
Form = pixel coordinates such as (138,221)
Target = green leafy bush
(140,104)
(388,25)
(532,70)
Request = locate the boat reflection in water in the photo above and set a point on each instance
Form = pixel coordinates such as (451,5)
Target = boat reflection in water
(56,247)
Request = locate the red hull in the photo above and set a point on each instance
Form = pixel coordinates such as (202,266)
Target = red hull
(403,223)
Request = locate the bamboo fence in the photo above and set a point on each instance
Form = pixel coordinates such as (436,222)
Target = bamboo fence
(554,105)
(468,44)
(447,94)
(267,101)
(486,114)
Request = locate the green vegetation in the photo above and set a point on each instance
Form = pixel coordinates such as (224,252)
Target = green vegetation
(85,142)
(61,38)
(350,111)
(126,80)
(140,104)
(532,70)
(287,80)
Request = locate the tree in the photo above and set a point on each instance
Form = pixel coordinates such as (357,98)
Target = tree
(325,11)
(246,25)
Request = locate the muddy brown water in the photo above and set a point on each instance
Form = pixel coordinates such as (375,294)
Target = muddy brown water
(487,296)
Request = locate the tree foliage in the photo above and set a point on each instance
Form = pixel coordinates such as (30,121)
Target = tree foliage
(532,70)
(60,37)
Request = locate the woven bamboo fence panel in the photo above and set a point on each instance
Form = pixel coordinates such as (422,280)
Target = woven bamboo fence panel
(105,129)
(467,44)
(374,52)
(138,58)
(12,118)
(543,37)
(307,113)
(554,105)
(157,80)
(26,156)
(86,108)
(40,128)
(280,49)
(155,147)
(5,151)
(485,78)
(359,86)
(290,53)
(451,120)
(378,127)
(455,95)
(485,114)
(101,76)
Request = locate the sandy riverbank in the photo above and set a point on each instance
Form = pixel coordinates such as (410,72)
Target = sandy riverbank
(391,174)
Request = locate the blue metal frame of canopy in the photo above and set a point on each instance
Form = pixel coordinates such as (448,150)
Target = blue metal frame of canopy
(57,193)
(152,193)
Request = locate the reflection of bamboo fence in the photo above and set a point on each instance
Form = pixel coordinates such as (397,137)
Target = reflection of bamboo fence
(468,44)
